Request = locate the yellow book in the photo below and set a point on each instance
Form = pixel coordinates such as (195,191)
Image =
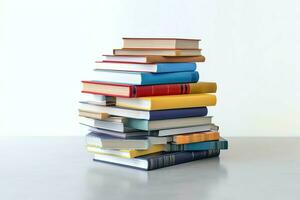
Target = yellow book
(203,87)
(126,153)
(168,102)
(196,137)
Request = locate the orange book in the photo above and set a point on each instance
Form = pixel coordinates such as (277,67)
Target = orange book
(196,137)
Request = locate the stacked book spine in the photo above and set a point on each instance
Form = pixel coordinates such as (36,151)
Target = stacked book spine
(146,107)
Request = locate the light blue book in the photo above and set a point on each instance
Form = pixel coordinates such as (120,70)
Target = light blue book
(145,78)
(146,67)
(199,146)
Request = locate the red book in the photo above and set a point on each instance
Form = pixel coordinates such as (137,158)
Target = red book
(122,90)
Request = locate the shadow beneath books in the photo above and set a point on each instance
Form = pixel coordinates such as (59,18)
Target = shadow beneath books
(120,182)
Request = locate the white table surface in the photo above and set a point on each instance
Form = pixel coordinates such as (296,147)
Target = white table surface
(59,168)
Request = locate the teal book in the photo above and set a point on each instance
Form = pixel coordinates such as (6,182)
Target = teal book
(199,146)
(145,78)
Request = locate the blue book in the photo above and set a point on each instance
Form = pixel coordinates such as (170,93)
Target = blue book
(149,67)
(199,146)
(158,160)
(145,78)
(177,113)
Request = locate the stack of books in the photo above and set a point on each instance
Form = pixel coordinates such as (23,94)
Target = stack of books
(145,107)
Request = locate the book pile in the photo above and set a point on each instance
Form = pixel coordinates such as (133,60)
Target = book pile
(146,108)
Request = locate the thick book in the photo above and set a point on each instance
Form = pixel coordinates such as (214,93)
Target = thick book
(161,43)
(117,134)
(104,124)
(199,146)
(158,52)
(109,142)
(145,78)
(123,90)
(126,153)
(154,68)
(144,114)
(153,59)
(158,160)
(148,125)
(167,102)
(196,137)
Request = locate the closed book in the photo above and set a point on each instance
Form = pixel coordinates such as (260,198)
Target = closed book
(125,135)
(199,146)
(153,59)
(148,125)
(154,68)
(99,99)
(158,160)
(102,124)
(158,52)
(109,142)
(126,153)
(196,137)
(161,43)
(144,114)
(145,78)
(123,90)
(185,130)
(167,102)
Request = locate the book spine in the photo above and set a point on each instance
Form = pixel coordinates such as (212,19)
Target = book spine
(176,158)
(160,90)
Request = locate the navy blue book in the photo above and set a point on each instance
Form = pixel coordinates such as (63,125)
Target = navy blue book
(178,113)
(157,160)
(143,114)
(145,78)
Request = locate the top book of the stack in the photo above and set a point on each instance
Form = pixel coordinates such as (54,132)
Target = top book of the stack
(153,50)
(160,43)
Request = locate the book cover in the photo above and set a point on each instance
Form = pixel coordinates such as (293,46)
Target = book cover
(196,137)
(144,114)
(123,90)
(153,59)
(138,67)
(145,78)
(208,145)
(168,102)
(148,125)
(159,52)
(160,43)
(132,153)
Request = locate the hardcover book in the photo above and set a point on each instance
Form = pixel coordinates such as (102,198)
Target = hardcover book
(158,52)
(158,160)
(147,125)
(160,43)
(109,142)
(196,137)
(144,114)
(199,146)
(145,78)
(126,153)
(123,90)
(153,59)
(154,68)
(167,102)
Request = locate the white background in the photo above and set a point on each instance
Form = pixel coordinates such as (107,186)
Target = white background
(252,51)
